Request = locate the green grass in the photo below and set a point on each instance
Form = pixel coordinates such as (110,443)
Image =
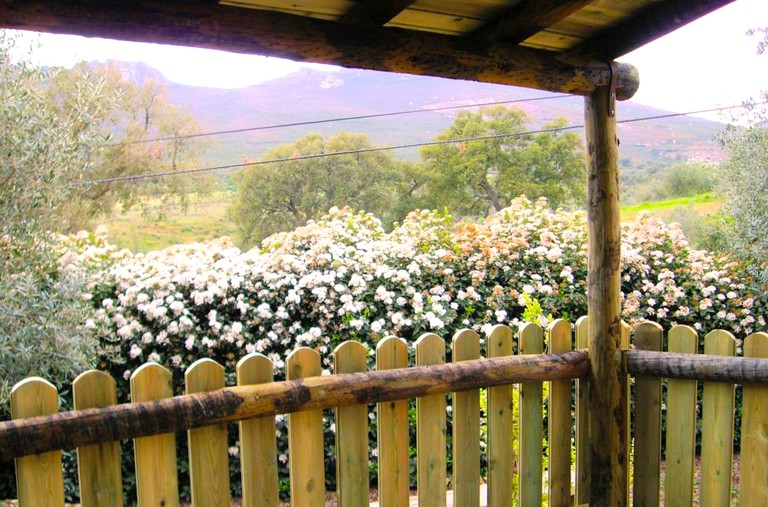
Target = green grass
(207,219)
(704,203)
(158,228)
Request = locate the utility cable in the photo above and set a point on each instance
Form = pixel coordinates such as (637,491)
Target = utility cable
(334,120)
(397,147)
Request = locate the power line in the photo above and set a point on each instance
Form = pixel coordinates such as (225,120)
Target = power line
(397,147)
(333,120)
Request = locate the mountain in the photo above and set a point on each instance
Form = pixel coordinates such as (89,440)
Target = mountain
(310,95)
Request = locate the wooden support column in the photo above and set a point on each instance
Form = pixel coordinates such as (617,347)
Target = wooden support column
(608,446)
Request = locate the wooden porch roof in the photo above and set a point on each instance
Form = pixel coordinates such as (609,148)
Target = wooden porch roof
(556,45)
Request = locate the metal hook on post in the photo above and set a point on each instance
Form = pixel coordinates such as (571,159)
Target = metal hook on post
(612,90)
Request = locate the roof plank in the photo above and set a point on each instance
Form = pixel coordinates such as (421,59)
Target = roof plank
(375,12)
(305,39)
(528,18)
(655,21)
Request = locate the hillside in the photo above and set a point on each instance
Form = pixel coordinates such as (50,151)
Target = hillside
(310,95)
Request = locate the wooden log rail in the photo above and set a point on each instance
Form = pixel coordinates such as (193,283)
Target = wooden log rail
(206,24)
(734,370)
(68,430)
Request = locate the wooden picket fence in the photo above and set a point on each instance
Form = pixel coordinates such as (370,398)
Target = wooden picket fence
(717,413)
(564,483)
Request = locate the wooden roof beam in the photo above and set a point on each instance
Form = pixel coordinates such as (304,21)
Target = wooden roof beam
(528,18)
(656,21)
(375,12)
(303,39)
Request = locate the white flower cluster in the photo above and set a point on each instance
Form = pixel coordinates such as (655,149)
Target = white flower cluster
(343,277)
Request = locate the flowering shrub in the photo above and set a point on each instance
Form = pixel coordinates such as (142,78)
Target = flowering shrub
(343,277)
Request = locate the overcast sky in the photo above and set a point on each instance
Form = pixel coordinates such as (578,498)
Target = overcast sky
(709,63)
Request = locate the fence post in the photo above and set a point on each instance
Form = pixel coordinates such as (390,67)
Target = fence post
(609,448)
(392,430)
(582,419)
(157,482)
(38,477)
(648,336)
(466,428)
(352,481)
(430,429)
(98,466)
(717,428)
(258,445)
(208,453)
(681,424)
(305,437)
(531,422)
(560,422)
(753,489)
(502,462)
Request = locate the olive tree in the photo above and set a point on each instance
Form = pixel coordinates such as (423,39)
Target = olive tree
(743,182)
(315,174)
(496,159)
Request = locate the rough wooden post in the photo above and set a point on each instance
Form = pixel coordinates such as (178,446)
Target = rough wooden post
(607,399)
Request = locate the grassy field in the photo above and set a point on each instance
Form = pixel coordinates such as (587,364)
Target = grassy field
(158,228)
(702,203)
(207,219)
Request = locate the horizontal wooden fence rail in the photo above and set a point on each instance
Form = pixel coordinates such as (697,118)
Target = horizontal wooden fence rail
(716,372)
(710,368)
(154,416)
(76,428)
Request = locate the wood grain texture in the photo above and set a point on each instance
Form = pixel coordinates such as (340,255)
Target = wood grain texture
(608,422)
(717,428)
(352,482)
(647,423)
(560,422)
(753,486)
(392,430)
(582,419)
(208,449)
(305,437)
(430,429)
(258,446)
(681,425)
(38,478)
(155,456)
(531,341)
(374,13)
(308,39)
(653,22)
(502,460)
(527,18)
(741,370)
(99,468)
(84,427)
(466,428)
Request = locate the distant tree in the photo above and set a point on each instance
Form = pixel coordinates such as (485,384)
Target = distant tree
(681,179)
(474,178)
(129,116)
(552,165)
(284,195)
(685,179)
(743,182)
